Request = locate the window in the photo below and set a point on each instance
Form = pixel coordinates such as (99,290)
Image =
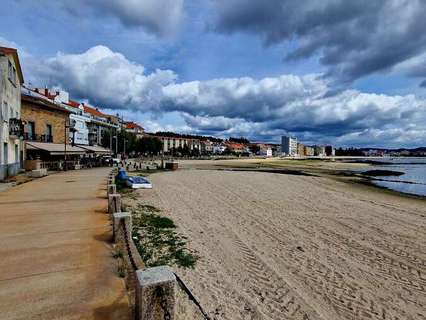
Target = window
(31,130)
(48,133)
(5,108)
(12,73)
(16,153)
(5,155)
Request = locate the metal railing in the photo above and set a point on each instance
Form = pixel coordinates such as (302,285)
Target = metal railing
(38,137)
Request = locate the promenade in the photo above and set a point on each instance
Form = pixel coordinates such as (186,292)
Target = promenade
(55,250)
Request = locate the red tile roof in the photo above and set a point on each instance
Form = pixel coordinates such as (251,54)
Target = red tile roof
(235,146)
(93,111)
(73,104)
(133,125)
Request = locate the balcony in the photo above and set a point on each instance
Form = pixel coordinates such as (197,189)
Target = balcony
(38,137)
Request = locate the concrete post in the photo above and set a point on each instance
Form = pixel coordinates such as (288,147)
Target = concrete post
(111,189)
(116,220)
(114,203)
(155,294)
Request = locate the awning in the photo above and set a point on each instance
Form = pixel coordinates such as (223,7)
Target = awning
(54,148)
(95,149)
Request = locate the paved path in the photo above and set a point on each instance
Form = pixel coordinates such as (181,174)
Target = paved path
(55,250)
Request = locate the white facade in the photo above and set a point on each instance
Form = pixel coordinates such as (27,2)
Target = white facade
(266,152)
(81,135)
(10,104)
(173,143)
(288,146)
(219,149)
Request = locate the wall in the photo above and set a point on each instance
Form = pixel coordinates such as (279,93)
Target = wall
(41,117)
(11,95)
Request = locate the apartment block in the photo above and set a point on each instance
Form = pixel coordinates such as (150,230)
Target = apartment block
(11,79)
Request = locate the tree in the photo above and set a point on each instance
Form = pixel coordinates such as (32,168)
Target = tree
(239,140)
(106,139)
(149,145)
(254,148)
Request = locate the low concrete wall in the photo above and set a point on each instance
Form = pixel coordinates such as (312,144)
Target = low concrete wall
(8,170)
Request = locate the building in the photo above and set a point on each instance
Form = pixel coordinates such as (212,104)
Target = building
(218,148)
(265,152)
(175,143)
(301,150)
(309,151)
(319,151)
(89,123)
(47,133)
(288,146)
(330,151)
(11,79)
(134,128)
(206,146)
(235,147)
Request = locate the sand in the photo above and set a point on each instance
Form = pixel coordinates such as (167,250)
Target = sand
(275,246)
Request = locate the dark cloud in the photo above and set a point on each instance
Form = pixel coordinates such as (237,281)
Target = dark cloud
(352,38)
(160,17)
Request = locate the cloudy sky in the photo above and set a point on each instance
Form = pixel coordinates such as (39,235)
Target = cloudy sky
(350,73)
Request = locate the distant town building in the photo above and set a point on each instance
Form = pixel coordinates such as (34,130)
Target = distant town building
(11,146)
(219,148)
(288,146)
(319,151)
(173,144)
(309,151)
(301,150)
(134,128)
(206,146)
(265,152)
(330,151)
(235,147)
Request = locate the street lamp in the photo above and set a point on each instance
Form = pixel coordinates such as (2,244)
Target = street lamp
(124,146)
(116,144)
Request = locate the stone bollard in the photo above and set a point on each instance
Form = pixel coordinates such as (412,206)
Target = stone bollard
(114,203)
(116,220)
(155,294)
(111,189)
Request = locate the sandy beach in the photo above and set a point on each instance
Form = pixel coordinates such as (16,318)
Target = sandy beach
(277,246)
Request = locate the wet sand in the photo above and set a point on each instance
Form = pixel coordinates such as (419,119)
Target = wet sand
(276,246)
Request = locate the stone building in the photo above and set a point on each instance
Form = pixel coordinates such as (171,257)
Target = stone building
(48,140)
(45,120)
(11,79)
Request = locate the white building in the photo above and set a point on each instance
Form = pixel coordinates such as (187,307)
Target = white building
(218,148)
(288,146)
(11,79)
(265,152)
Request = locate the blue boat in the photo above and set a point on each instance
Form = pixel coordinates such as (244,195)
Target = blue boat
(138,183)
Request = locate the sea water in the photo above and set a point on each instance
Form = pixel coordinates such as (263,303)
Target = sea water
(413,180)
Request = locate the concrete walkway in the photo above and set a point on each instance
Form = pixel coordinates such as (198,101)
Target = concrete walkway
(55,250)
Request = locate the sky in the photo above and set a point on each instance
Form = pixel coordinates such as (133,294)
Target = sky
(347,73)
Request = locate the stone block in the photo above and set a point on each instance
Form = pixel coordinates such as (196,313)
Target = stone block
(116,220)
(114,203)
(155,293)
(111,189)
